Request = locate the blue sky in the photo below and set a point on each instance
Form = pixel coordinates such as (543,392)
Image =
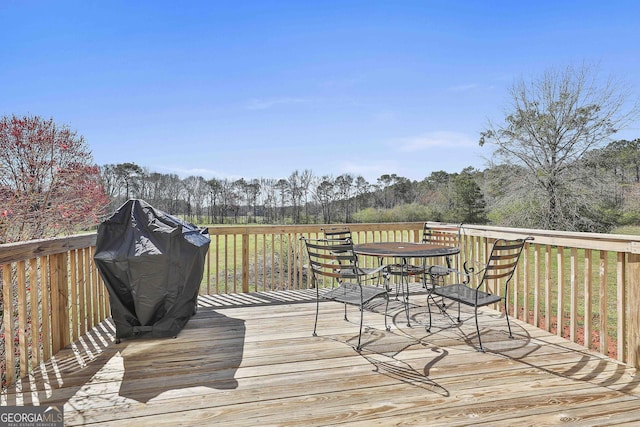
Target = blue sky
(261,88)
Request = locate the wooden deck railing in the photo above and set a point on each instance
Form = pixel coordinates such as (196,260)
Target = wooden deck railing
(52,293)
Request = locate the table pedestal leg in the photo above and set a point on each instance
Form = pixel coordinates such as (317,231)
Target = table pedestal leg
(404,277)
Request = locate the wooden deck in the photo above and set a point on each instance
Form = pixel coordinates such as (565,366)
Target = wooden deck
(250,359)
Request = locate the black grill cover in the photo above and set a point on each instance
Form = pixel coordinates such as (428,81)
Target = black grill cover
(152,264)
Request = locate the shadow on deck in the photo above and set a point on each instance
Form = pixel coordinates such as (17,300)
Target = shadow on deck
(248,359)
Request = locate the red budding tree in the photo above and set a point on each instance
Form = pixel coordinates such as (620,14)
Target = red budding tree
(49,185)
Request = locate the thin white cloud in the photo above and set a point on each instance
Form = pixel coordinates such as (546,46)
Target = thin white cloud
(441,139)
(464,88)
(265,104)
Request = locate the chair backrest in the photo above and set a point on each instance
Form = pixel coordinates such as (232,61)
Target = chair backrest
(503,259)
(336,233)
(332,258)
(446,235)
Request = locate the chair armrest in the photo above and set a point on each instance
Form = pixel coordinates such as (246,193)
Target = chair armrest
(374,271)
(469,270)
(447,270)
(472,270)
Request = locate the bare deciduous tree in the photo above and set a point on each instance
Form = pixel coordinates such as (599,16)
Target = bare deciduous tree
(553,121)
(325,195)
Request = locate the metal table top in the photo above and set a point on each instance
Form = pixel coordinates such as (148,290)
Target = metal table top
(404,250)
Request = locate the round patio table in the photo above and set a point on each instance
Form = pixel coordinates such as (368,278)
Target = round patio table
(405,251)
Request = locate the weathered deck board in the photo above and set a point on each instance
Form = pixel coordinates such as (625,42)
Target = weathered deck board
(251,360)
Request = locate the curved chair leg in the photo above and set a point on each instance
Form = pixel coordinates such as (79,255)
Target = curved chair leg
(386,311)
(429,309)
(359,347)
(506,315)
(443,305)
(315,324)
(405,298)
(478,331)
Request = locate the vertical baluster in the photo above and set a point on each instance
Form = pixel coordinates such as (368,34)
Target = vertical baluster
(82,291)
(36,311)
(273,262)
(633,357)
(621,305)
(604,333)
(547,288)
(23,342)
(45,280)
(560,259)
(537,286)
(525,283)
(8,323)
(225,270)
(587,298)
(574,296)
(73,282)
(217,264)
(245,262)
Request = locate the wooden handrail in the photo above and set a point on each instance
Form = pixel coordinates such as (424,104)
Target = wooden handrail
(53,294)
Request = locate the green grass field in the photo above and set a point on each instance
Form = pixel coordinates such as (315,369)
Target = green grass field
(259,244)
(627,229)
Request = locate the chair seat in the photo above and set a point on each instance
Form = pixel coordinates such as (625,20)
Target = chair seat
(415,270)
(466,295)
(363,271)
(349,293)
(367,270)
(438,270)
(409,270)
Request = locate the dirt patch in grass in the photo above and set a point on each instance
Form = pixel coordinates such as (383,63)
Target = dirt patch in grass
(612,344)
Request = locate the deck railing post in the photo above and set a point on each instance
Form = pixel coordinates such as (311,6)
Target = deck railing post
(60,301)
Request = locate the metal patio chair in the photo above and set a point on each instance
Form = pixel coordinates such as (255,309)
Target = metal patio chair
(337,234)
(432,275)
(445,235)
(336,261)
(500,266)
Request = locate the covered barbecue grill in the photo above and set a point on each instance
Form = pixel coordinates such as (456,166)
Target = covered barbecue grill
(152,265)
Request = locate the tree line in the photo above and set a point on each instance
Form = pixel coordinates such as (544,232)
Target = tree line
(300,198)
(554,167)
(608,180)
